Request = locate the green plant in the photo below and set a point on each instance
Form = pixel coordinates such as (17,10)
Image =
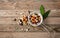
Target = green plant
(42,11)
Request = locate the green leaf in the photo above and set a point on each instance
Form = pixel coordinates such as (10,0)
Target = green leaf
(46,14)
(42,10)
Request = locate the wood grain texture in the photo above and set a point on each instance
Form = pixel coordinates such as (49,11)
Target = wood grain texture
(57,35)
(36,5)
(27,35)
(8,16)
(24,35)
(55,13)
(10,25)
(28,5)
(11,9)
(29,0)
(18,13)
(55,20)
(52,20)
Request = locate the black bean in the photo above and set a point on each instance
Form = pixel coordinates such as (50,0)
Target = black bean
(29,12)
(20,22)
(15,19)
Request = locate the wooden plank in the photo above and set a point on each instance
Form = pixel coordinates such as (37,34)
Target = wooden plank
(13,12)
(28,5)
(54,13)
(19,13)
(49,20)
(27,35)
(29,0)
(52,20)
(6,6)
(24,35)
(36,5)
(9,27)
(56,0)
(57,35)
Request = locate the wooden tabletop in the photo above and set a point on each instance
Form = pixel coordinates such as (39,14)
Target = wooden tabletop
(11,9)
